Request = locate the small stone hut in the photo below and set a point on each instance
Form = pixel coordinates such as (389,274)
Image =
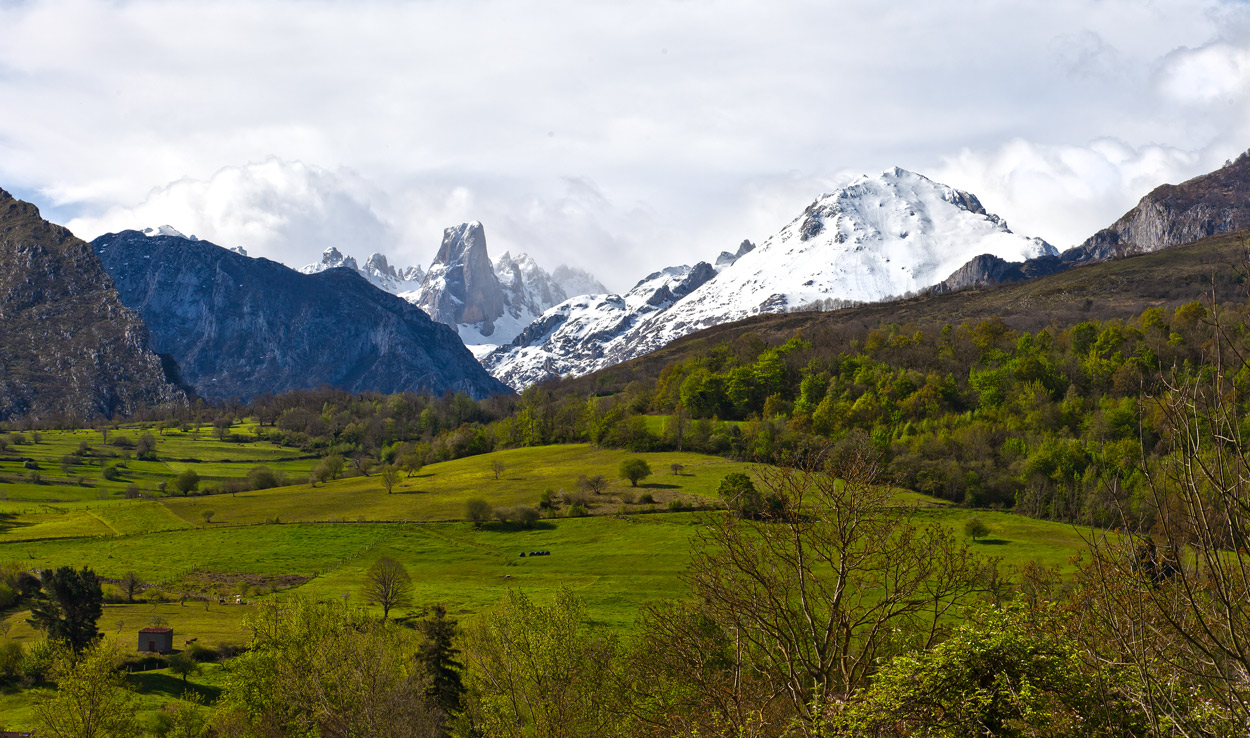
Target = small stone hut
(157,640)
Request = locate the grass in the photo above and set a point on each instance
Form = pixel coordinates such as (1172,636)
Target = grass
(616,560)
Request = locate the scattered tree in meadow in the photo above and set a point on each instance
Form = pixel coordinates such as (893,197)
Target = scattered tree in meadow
(182,664)
(131,585)
(477,511)
(208,516)
(975,528)
(676,469)
(388,584)
(635,469)
(186,482)
(389,476)
(595,483)
(497,466)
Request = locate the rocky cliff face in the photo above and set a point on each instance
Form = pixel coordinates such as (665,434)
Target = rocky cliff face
(461,286)
(1171,215)
(1208,205)
(68,346)
(239,327)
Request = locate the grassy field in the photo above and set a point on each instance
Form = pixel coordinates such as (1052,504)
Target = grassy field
(35,469)
(624,554)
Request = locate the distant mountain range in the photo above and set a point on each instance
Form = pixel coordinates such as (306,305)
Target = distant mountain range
(488,304)
(238,327)
(69,348)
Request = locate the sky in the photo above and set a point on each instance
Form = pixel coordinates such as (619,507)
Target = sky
(618,137)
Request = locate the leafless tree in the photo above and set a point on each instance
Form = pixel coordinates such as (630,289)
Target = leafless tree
(387,583)
(814,594)
(1169,595)
(497,466)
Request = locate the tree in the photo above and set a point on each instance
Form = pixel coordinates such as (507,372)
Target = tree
(635,469)
(328,669)
(91,698)
(497,466)
(186,482)
(131,584)
(676,469)
(595,483)
(387,583)
(477,511)
(68,606)
(221,428)
(208,516)
(1170,599)
(389,476)
(840,578)
(740,496)
(182,664)
(976,528)
(533,668)
(437,654)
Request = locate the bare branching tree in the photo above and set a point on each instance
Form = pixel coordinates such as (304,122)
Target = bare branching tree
(838,577)
(387,583)
(1172,596)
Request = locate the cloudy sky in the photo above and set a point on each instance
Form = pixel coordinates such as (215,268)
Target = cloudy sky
(615,136)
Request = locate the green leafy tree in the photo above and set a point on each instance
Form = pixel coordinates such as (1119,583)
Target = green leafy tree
(68,606)
(186,482)
(533,669)
(976,528)
(91,699)
(634,469)
(183,664)
(740,495)
(389,476)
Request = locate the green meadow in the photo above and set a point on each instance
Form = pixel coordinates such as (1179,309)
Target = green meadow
(208,561)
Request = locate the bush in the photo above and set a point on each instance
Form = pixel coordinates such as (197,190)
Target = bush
(646,499)
(527,516)
(201,653)
(578,511)
(8,596)
(110,473)
(627,497)
(262,477)
(30,464)
(676,505)
(976,528)
(38,661)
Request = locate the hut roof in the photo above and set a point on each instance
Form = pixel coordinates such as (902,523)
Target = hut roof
(157,630)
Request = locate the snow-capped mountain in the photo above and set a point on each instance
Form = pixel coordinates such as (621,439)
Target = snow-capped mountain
(878,237)
(376,270)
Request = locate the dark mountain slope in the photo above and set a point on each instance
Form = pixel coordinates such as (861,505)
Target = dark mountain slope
(1213,267)
(1170,215)
(239,326)
(68,346)
(1207,205)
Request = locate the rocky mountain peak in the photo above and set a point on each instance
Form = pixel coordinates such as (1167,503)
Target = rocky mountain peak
(68,346)
(461,286)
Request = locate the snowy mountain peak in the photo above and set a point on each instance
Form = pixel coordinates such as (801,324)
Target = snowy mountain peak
(239,250)
(166,230)
(878,237)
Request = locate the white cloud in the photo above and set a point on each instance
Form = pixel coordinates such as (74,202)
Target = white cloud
(285,211)
(1066,193)
(699,122)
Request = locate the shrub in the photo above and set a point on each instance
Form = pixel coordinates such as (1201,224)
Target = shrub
(30,464)
(627,497)
(547,500)
(527,516)
(646,499)
(676,505)
(38,662)
(201,653)
(110,473)
(578,511)
(133,492)
(262,477)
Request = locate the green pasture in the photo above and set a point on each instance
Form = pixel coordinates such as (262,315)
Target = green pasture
(176,451)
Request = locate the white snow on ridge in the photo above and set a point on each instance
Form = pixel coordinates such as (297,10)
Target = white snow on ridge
(876,238)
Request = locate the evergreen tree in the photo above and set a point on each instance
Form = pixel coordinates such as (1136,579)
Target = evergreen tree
(68,606)
(437,655)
